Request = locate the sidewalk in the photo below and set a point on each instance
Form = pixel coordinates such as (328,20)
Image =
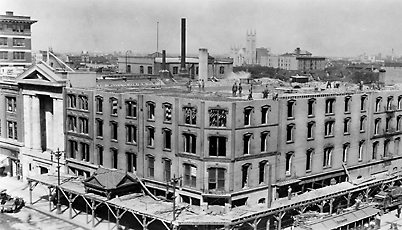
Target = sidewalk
(21,189)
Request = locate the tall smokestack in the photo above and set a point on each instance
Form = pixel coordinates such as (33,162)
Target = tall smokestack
(203,64)
(163,59)
(183,47)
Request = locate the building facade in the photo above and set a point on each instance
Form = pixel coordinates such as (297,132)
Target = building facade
(15,40)
(234,152)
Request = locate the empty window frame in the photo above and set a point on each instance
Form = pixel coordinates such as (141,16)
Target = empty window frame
(390,107)
(346,125)
(362,123)
(73,149)
(99,127)
(99,154)
(167,169)
(262,172)
(12,130)
(131,134)
(216,179)
(167,109)
(131,162)
(151,111)
(327,157)
(217,117)
(388,122)
(71,101)
(363,102)
(347,104)
(310,130)
(345,152)
(83,102)
(190,175)
(217,146)
(264,141)
(310,107)
(377,124)
(85,152)
(247,143)
(190,115)
(151,166)
(190,143)
(72,123)
(114,103)
(264,114)
(361,150)
(245,169)
(378,104)
(329,128)
(288,163)
(330,106)
(149,69)
(309,159)
(386,148)
(150,136)
(11,104)
(375,150)
(83,125)
(400,102)
(399,123)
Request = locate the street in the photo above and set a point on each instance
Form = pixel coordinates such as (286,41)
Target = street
(28,219)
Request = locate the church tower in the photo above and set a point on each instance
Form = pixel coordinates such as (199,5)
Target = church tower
(251,50)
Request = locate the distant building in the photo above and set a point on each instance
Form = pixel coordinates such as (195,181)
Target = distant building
(249,54)
(15,40)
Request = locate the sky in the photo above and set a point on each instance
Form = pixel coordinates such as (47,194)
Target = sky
(332,28)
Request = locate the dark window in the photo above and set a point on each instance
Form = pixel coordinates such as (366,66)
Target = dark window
(346,123)
(131,162)
(3,41)
(291,105)
(245,174)
(289,132)
(114,130)
(151,167)
(18,42)
(85,152)
(216,179)
(190,175)
(361,150)
(327,157)
(167,169)
(149,69)
(247,116)
(347,104)
(190,115)
(378,104)
(261,172)
(375,150)
(100,154)
(246,143)
(377,123)
(189,143)
(310,110)
(264,114)
(363,103)
(151,137)
(288,166)
(19,55)
(131,109)
(99,104)
(73,148)
(167,138)
(217,146)
(345,151)
(362,123)
(175,70)
(99,127)
(115,154)
(221,70)
(141,69)
(151,111)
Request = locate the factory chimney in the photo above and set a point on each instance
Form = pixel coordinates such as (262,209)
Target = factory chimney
(203,64)
(183,70)
(163,60)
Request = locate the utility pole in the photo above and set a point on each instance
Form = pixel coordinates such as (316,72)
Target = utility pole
(174,182)
(58,154)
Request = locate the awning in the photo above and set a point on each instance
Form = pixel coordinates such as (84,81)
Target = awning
(287,182)
(345,219)
(3,160)
(322,177)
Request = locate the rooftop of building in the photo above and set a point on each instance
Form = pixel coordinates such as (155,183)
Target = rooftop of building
(222,90)
(10,17)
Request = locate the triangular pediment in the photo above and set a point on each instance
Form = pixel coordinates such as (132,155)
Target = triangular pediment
(38,73)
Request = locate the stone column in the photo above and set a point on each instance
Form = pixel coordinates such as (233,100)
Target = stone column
(58,124)
(35,131)
(50,131)
(27,106)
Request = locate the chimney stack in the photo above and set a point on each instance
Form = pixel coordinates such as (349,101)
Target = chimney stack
(183,47)
(163,60)
(203,64)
